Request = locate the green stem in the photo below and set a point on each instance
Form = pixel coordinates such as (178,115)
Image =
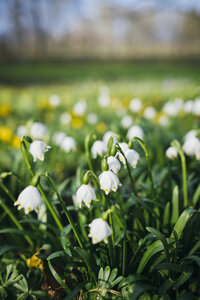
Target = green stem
(50,207)
(52,184)
(128,170)
(112,239)
(4,188)
(15,221)
(143,146)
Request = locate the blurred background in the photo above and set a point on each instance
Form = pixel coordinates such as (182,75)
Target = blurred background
(32,30)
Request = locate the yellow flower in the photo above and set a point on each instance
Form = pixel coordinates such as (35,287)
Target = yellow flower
(77,122)
(34,262)
(5,134)
(5,110)
(16,142)
(101,127)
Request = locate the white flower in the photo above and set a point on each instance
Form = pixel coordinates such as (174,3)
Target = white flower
(85,193)
(132,157)
(104,99)
(38,131)
(37,150)
(171,153)
(54,100)
(65,118)
(58,137)
(98,148)
(68,144)
(170,109)
(190,134)
(108,135)
(196,107)
(99,230)
(135,105)
(80,107)
(135,131)
(126,122)
(149,112)
(124,148)
(188,106)
(109,181)
(92,118)
(113,164)
(22,131)
(29,199)
(191,146)
(163,120)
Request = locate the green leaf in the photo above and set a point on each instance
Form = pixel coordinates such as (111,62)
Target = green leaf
(149,253)
(140,289)
(106,273)
(196,196)
(166,215)
(75,291)
(4,249)
(183,277)
(162,238)
(182,221)
(58,279)
(56,254)
(194,258)
(169,266)
(175,205)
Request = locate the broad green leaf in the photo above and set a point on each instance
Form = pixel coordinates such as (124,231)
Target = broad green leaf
(4,249)
(183,278)
(56,254)
(182,221)
(58,279)
(194,258)
(106,273)
(153,249)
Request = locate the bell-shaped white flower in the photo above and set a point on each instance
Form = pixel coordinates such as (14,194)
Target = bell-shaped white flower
(196,107)
(135,131)
(109,181)
(132,157)
(92,118)
(37,150)
(65,118)
(29,199)
(108,135)
(126,122)
(85,193)
(124,148)
(98,148)
(80,107)
(38,131)
(171,153)
(191,146)
(54,100)
(188,106)
(149,112)
(135,105)
(113,164)
(104,99)
(22,131)
(68,144)
(99,230)
(58,137)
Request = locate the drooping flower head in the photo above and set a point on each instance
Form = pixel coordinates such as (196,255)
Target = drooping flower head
(99,230)
(109,181)
(113,164)
(85,193)
(38,131)
(98,148)
(58,137)
(135,131)
(29,199)
(37,150)
(171,153)
(68,144)
(132,157)
(135,105)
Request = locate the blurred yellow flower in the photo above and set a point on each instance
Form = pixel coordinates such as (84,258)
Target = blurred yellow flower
(43,103)
(101,127)
(77,122)
(5,110)
(5,134)
(34,262)
(16,142)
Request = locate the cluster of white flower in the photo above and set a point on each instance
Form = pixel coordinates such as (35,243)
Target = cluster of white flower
(37,131)
(66,143)
(172,109)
